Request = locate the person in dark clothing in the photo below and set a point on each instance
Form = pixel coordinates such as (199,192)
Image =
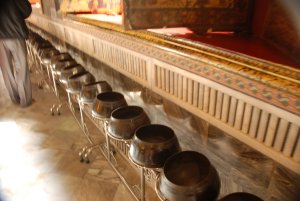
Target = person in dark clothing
(13,54)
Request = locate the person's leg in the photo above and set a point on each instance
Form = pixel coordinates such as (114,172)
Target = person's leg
(19,54)
(7,68)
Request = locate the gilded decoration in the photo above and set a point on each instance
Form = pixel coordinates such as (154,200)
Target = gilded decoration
(273,83)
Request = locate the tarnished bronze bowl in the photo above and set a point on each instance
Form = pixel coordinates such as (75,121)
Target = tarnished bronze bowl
(106,102)
(152,145)
(39,48)
(43,51)
(47,54)
(240,196)
(187,176)
(75,82)
(60,57)
(59,65)
(41,44)
(124,121)
(69,70)
(89,91)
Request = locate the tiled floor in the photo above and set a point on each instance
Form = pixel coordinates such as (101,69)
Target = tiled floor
(39,155)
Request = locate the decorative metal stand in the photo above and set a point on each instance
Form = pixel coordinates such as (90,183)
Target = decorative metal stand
(59,105)
(106,149)
(145,173)
(102,122)
(85,152)
(158,193)
(135,190)
(70,104)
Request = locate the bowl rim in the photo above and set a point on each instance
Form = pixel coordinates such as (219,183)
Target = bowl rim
(120,97)
(139,111)
(210,170)
(167,128)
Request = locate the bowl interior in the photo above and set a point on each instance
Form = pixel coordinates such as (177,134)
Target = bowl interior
(241,196)
(95,83)
(77,75)
(62,56)
(127,112)
(71,67)
(62,60)
(187,168)
(155,133)
(110,97)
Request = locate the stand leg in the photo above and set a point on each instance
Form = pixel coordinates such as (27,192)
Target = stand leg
(142,184)
(69,100)
(54,84)
(81,114)
(107,141)
(48,71)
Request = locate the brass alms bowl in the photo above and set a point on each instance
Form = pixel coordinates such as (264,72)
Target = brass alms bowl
(89,91)
(152,145)
(106,102)
(125,120)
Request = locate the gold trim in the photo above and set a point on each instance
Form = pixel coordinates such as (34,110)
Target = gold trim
(183,44)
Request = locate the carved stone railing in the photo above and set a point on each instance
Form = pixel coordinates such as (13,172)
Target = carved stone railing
(259,107)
